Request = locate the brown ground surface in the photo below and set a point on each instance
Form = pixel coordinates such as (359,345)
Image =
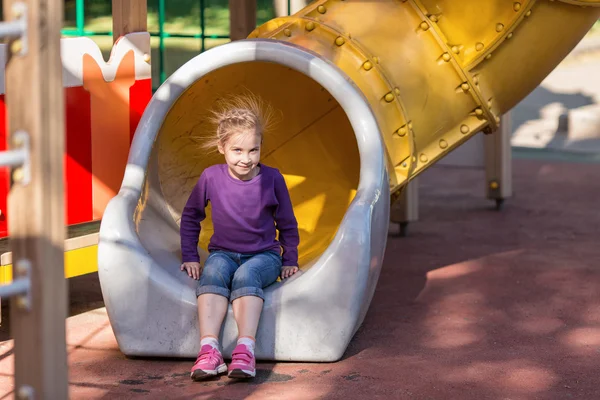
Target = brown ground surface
(474,304)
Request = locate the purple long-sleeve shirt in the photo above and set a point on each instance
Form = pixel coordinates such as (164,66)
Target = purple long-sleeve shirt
(245,214)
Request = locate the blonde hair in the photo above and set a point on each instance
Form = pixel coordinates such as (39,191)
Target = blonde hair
(240,113)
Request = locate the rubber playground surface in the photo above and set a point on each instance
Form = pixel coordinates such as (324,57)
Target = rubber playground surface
(474,304)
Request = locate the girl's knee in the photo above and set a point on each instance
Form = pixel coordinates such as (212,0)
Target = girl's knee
(216,272)
(246,275)
(214,279)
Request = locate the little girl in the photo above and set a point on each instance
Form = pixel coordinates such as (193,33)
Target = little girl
(249,202)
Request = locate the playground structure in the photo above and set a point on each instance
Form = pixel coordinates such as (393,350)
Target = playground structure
(348,82)
(372,94)
(96,146)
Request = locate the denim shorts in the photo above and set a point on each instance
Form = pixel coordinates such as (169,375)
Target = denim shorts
(235,275)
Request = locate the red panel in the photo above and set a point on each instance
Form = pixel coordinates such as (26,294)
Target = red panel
(78,160)
(78,157)
(139,97)
(4,172)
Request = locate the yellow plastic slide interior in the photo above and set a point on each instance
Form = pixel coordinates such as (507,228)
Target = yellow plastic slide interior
(312,144)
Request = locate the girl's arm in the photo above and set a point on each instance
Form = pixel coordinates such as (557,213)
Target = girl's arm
(286,223)
(193,213)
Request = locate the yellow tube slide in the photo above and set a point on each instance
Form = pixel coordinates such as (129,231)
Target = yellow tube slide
(434,72)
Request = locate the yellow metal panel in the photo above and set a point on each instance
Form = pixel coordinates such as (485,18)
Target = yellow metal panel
(5,274)
(438,71)
(81,261)
(77,262)
(538,44)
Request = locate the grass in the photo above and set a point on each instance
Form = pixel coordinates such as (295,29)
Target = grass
(595,31)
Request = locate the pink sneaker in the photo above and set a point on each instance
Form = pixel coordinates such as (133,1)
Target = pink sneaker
(209,363)
(243,363)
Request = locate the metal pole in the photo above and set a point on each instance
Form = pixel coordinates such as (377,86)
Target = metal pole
(80,16)
(161,40)
(498,162)
(18,286)
(13,158)
(202,27)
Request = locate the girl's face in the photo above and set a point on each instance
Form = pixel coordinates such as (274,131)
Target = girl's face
(242,154)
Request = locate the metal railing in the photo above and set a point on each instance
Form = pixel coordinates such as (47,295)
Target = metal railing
(161,34)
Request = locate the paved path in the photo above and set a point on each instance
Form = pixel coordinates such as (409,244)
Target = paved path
(572,89)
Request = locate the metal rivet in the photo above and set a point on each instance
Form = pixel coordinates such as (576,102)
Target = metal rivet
(424,25)
(488,56)
(23,303)
(479,46)
(499,27)
(25,392)
(404,164)
(479,111)
(497,119)
(410,125)
(16,46)
(465,87)
(423,158)
(287,32)
(528,13)
(389,97)
(489,102)
(476,80)
(397,91)
(376,59)
(321,9)
(517,6)
(18,174)
(17,140)
(443,144)
(17,12)
(340,41)
(494,185)
(367,65)
(464,129)
(310,26)
(414,158)
(434,18)
(455,49)
(510,35)
(446,57)
(402,131)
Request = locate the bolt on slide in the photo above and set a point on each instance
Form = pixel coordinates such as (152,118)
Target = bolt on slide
(371,93)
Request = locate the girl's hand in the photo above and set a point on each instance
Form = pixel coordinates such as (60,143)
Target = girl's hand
(193,269)
(288,271)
